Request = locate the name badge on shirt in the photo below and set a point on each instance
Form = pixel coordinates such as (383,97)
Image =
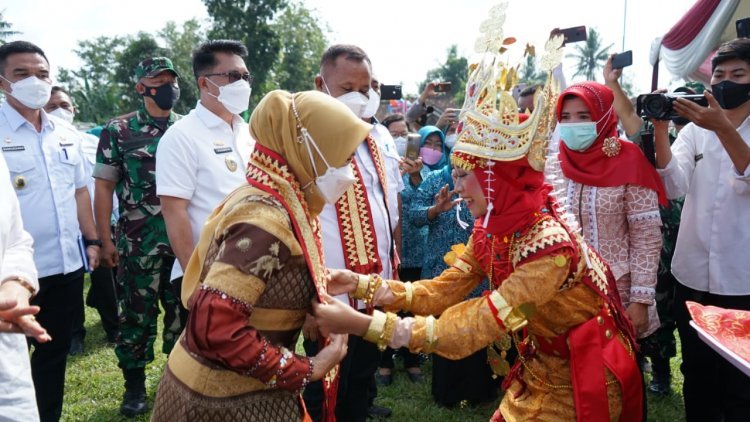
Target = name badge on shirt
(698,157)
(66,144)
(14,148)
(223,150)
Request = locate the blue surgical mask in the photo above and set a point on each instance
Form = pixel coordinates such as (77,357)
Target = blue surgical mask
(580,136)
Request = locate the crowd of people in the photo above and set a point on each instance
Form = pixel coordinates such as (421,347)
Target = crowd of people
(527,244)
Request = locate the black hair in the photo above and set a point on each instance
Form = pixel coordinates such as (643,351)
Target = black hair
(349,51)
(204,57)
(738,48)
(393,118)
(18,47)
(529,90)
(57,88)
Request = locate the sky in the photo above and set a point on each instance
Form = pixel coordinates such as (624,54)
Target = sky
(403,38)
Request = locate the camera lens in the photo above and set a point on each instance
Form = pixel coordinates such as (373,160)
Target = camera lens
(656,105)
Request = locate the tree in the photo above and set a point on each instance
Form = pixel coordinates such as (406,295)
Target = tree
(454,70)
(590,57)
(137,48)
(179,48)
(530,74)
(249,21)
(5,29)
(302,43)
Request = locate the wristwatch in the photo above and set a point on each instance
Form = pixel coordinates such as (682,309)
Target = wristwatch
(92,242)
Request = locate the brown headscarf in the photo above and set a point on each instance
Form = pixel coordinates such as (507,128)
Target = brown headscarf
(335,129)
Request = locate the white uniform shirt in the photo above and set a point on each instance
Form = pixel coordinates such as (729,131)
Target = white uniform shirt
(711,254)
(17,400)
(194,161)
(392,160)
(332,248)
(50,167)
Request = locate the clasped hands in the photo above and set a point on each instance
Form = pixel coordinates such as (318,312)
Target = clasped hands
(16,315)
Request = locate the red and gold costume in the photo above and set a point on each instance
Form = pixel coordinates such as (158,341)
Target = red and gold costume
(255,270)
(551,293)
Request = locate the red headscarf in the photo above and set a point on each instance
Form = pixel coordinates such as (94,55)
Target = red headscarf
(593,167)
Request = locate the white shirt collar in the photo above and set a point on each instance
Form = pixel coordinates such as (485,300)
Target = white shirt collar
(15,120)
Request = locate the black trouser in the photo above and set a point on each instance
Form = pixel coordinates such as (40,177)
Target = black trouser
(714,389)
(357,388)
(102,297)
(60,296)
(177,288)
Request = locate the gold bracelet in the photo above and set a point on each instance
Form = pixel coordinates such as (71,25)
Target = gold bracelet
(25,284)
(388,328)
(375,282)
(409,291)
(431,337)
(363,283)
(376,327)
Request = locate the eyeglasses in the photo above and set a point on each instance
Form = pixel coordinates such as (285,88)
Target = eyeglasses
(233,76)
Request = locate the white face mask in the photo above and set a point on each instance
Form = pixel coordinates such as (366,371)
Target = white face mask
(63,114)
(355,100)
(336,180)
(400,145)
(235,97)
(372,105)
(450,140)
(31,92)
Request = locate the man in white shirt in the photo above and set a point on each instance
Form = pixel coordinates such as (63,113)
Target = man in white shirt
(48,173)
(346,74)
(203,157)
(18,282)
(101,293)
(709,164)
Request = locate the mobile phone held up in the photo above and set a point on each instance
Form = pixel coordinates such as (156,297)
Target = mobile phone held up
(391,92)
(443,87)
(743,27)
(412,146)
(622,60)
(571,35)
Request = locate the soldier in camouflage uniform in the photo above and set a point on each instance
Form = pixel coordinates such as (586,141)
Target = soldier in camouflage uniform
(125,164)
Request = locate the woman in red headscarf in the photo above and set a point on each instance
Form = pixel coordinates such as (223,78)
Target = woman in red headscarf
(550,294)
(614,194)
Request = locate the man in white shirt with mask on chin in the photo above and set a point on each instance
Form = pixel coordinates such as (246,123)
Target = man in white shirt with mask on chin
(346,74)
(203,156)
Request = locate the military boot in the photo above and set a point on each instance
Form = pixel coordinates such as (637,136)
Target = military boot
(134,399)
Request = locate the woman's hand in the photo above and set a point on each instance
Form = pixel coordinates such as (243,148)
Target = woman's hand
(342,281)
(329,356)
(443,203)
(638,314)
(412,168)
(334,316)
(16,315)
(449,116)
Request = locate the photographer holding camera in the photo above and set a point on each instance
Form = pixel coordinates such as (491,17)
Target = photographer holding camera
(709,165)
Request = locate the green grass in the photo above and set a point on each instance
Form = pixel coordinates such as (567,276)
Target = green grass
(94,387)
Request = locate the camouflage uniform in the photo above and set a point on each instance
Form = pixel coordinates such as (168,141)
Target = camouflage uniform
(127,155)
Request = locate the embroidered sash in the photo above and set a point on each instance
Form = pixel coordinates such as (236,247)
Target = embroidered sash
(356,226)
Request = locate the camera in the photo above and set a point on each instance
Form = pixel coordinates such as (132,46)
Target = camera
(661,106)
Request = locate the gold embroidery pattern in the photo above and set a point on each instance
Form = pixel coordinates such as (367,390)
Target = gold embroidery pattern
(545,233)
(356,221)
(267,264)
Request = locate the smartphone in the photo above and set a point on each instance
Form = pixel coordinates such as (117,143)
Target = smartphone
(622,60)
(572,35)
(743,28)
(443,87)
(391,92)
(412,146)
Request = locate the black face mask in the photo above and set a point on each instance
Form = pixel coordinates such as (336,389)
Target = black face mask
(165,96)
(730,94)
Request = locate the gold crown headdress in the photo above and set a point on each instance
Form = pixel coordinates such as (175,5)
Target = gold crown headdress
(489,128)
